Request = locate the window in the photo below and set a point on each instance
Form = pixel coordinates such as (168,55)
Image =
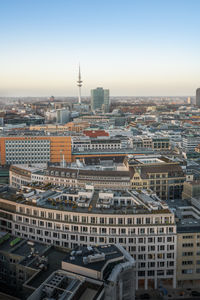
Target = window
(141,256)
(111,221)
(160,272)
(102,221)
(187,271)
(84,220)
(130,221)
(169,255)
(187,245)
(170,272)
(120,221)
(187,253)
(188,236)
(142,265)
(187,262)
(151,273)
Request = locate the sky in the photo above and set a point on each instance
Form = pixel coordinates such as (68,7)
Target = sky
(134,48)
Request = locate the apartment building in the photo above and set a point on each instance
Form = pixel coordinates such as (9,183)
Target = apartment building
(140,222)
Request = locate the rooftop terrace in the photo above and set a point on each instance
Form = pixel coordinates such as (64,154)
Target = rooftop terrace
(88,200)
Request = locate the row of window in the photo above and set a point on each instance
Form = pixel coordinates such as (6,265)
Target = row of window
(152,273)
(106,231)
(102,220)
(190,271)
(190,253)
(27,142)
(190,262)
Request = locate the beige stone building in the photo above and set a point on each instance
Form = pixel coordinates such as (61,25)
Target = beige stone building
(160,174)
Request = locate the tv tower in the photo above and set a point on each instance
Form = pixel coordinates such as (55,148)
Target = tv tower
(79,84)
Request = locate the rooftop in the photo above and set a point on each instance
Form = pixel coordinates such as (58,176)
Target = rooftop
(187,215)
(89,200)
(94,258)
(27,250)
(55,257)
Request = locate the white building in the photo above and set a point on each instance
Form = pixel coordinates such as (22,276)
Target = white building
(140,222)
(63,116)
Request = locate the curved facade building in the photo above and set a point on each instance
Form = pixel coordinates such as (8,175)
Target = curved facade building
(160,174)
(140,222)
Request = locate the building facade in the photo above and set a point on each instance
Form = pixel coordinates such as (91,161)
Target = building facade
(63,116)
(100,99)
(142,224)
(68,177)
(198,97)
(34,149)
(190,142)
(157,173)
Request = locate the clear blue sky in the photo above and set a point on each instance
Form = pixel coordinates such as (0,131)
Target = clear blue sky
(143,47)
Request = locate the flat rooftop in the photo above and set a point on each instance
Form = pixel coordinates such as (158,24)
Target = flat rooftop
(55,257)
(88,200)
(186,223)
(123,151)
(76,257)
(25,250)
(66,285)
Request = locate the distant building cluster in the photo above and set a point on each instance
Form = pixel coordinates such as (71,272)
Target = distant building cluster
(100,197)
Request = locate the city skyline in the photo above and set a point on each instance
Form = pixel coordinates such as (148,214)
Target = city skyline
(133,48)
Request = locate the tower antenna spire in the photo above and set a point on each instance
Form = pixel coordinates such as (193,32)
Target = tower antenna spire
(79,84)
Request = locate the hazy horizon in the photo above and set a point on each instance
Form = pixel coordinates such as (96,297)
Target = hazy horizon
(131,47)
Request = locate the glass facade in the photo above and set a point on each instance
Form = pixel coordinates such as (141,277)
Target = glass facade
(100,99)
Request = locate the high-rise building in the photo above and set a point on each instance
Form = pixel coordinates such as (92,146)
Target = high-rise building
(100,99)
(106,101)
(198,97)
(63,116)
